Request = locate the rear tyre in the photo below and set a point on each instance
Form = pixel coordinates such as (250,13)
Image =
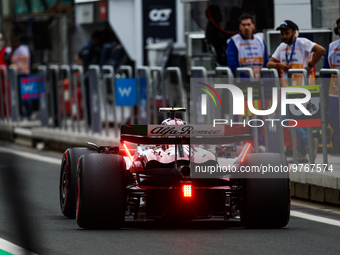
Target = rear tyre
(101,191)
(68,180)
(266,201)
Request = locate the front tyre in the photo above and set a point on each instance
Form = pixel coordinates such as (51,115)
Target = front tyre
(101,191)
(266,200)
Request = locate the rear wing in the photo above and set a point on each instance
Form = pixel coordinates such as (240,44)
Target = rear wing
(184,134)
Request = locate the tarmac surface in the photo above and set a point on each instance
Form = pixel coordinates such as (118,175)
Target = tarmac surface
(318,182)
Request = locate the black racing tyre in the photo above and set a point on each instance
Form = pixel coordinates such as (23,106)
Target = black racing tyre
(101,191)
(266,197)
(68,180)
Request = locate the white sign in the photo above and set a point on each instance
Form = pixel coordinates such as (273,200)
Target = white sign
(84,14)
(85,1)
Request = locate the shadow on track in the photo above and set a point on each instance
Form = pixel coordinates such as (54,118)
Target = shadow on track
(12,190)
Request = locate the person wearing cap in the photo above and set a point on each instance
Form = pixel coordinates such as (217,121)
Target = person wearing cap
(247,49)
(296,53)
(332,60)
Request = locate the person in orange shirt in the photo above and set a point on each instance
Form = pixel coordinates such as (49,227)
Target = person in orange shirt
(247,49)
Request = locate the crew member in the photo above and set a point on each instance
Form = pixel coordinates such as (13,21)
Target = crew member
(296,53)
(332,60)
(247,49)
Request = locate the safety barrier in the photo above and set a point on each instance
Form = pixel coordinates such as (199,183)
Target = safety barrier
(53,96)
(335,72)
(126,71)
(103,99)
(246,70)
(277,137)
(62,107)
(67,95)
(144,88)
(95,98)
(78,75)
(44,90)
(13,79)
(225,72)
(251,78)
(71,96)
(293,131)
(4,93)
(108,78)
(199,72)
(157,80)
(170,91)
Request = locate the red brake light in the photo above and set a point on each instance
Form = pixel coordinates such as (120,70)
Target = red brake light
(187,190)
(127,152)
(245,152)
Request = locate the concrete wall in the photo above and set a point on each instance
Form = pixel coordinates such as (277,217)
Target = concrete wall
(126,19)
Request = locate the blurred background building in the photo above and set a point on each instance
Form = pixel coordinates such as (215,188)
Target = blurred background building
(55,30)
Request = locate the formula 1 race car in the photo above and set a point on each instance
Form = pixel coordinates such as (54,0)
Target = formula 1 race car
(175,171)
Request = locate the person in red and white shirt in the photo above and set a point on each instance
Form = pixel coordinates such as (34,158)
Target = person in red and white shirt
(20,56)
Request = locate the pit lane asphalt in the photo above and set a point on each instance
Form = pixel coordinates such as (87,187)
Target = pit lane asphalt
(48,232)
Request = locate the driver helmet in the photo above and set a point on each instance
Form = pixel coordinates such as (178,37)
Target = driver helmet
(174,121)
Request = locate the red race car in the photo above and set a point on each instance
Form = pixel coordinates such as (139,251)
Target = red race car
(175,171)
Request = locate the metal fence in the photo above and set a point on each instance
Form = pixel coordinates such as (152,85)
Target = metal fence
(71,101)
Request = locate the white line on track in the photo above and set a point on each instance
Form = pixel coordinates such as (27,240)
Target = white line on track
(5,245)
(12,248)
(57,162)
(31,155)
(315,218)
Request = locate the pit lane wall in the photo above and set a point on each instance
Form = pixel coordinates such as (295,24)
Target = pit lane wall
(62,120)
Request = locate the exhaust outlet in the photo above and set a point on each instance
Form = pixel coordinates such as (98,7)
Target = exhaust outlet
(184,171)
